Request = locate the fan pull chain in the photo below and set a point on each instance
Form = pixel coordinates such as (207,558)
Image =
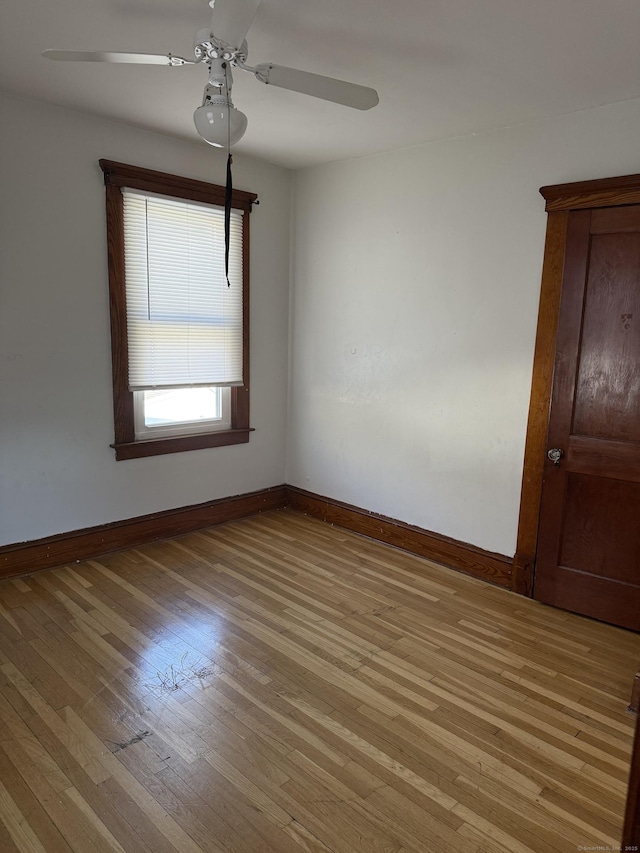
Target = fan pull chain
(227,217)
(229,187)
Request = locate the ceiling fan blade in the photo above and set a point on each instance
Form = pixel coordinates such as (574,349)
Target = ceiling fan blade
(106,56)
(231,19)
(327,88)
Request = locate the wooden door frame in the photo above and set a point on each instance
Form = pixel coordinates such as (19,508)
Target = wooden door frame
(631,831)
(560,200)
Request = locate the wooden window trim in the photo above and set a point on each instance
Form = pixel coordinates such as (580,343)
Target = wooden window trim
(116,176)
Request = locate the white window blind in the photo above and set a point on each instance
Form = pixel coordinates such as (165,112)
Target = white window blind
(184,324)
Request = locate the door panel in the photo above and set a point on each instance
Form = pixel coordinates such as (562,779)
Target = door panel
(589,534)
(595,508)
(608,385)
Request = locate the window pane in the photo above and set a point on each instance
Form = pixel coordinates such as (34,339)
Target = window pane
(181,405)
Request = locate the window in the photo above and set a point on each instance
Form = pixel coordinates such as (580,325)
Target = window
(178,411)
(179,333)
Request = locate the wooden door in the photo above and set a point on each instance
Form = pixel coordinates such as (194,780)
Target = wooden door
(588,554)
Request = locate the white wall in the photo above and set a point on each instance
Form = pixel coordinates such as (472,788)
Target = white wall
(57,471)
(413,313)
(416,284)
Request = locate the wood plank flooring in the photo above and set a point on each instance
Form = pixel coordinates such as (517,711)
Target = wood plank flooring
(276,685)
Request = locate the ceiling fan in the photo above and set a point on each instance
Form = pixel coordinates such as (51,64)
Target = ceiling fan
(223,46)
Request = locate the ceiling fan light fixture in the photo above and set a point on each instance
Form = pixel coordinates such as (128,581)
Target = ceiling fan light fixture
(223,46)
(219,124)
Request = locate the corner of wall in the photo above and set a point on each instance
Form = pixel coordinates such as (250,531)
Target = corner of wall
(292,267)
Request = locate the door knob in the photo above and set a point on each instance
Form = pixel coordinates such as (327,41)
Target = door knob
(555,455)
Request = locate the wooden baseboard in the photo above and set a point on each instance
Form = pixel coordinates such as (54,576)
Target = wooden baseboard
(489,566)
(91,542)
(94,541)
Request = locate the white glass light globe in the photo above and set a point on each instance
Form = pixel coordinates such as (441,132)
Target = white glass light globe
(212,123)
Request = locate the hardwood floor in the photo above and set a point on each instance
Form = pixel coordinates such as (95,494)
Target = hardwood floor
(276,684)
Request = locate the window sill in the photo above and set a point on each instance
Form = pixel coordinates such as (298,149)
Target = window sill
(180,443)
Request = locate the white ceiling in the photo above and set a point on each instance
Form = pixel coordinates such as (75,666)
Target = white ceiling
(442,67)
